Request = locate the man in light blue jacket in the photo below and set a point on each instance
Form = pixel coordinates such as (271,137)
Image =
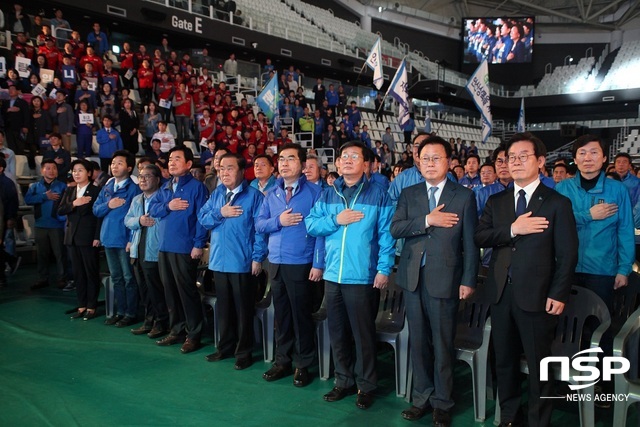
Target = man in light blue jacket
(604,217)
(295,260)
(354,217)
(143,250)
(236,253)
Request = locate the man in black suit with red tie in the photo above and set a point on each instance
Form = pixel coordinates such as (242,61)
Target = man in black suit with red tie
(535,251)
(438,267)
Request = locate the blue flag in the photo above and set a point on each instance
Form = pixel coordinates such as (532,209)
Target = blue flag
(399,90)
(521,124)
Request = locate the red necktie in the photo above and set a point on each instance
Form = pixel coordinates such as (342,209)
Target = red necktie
(289,194)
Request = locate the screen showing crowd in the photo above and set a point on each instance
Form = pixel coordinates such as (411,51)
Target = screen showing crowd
(499,40)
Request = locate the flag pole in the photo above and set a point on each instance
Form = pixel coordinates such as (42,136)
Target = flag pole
(389,87)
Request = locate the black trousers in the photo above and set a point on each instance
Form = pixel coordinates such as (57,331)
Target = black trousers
(236,307)
(151,294)
(50,240)
(178,276)
(514,330)
(293,302)
(86,274)
(351,314)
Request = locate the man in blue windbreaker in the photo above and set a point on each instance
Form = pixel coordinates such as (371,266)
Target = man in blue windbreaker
(236,253)
(604,217)
(112,205)
(354,217)
(181,239)
(295,259)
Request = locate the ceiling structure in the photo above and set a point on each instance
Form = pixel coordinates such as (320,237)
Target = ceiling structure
(602,14)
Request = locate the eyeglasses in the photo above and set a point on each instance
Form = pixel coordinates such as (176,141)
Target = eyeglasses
(287,159)
(145,177)
(353,156)
(522,157)
(435,159)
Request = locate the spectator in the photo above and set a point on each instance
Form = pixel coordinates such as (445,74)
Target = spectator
(82,237)
(129,123)
(62,117)
(263,169)
(98,40)
(84,132)
(112,206)
(150,121)
(15,112)
(471,179)
(230,68)
(19,22)
(10,159)
(559,173)
(85,94)
(313,165)
(61,157)
(9,199)
(59,21)
(167,140)
(183,113)
(44,196)
(110,142)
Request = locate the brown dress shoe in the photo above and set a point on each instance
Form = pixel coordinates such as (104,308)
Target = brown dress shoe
(190,345)
(170,340)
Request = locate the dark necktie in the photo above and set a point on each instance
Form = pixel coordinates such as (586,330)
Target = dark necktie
(289,194)
(521,205)
(229,196)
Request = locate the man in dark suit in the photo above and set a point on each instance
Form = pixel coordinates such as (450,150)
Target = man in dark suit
(535,251)
(438,266)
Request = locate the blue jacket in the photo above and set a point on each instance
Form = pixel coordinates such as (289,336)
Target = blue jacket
(381,180)
(45,210)
(291,245)
(132,221)
(469,182)
(108,146)
(270,184)
(332,98)
(234,241)
(607,246)
(483,194)
(549,182)
(179,231)
(113,233)
(632,183)
(354,252)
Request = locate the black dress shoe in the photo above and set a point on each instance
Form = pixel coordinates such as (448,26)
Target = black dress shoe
(301,377)
(170,340)
(90,315)
(157,332)
(364,400)
(125,321)
(243,363)
(215,357)
(339,393)
(190,345)
(78,314)
(276,372)
(441,418)
(144,329)
(415,413)
(113,320)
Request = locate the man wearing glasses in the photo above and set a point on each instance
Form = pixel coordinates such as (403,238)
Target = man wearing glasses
(438,267)
(295,259)
(144,250)
(354,217)
(535,251)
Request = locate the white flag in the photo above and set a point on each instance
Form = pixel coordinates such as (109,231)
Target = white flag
(521,123)
(399,90)
(478,88)
(374,61)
